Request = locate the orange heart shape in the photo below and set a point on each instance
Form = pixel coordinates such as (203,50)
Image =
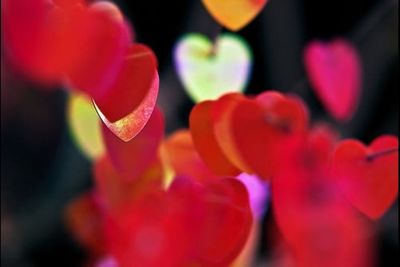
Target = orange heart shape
(234,15)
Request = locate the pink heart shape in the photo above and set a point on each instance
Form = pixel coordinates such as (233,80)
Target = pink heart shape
(334,70)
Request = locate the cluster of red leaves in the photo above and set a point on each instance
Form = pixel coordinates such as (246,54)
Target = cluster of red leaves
(197,221)
(319,183)
(321,186)
(85,47)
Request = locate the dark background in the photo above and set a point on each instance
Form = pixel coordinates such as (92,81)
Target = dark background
(42,170)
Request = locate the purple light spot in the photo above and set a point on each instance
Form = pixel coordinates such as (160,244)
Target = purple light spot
(259,193)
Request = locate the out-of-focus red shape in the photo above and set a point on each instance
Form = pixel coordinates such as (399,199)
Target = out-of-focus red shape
(116,191)
(151,232)
(179,153)
(369,175)
(53,42)
(191,224)
(221,114)
(318,223)
(85,220)
(103,41)
(137,77)
(39,37)
(204,139)
(335,72)
(69,3)
(227,225)
(132,158)
(260,126)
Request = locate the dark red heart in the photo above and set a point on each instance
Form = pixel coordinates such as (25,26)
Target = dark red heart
(369,175)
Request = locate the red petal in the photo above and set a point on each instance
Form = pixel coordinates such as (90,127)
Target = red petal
(204,139)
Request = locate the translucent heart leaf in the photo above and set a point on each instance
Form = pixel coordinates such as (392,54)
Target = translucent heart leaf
(208,70)
(369,174)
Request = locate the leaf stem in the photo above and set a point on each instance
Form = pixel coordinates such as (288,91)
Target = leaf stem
(382,153)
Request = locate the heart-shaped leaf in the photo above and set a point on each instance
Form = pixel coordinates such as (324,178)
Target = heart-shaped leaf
(103,39)
(48,40)
(369,175)
(39,38)
(222,117)
(147,230)
(209,71)
(236,14)
(315,219)
(334,70)
(259,127)
(207,224)
(129,126)
(137,77)
(204,139)
(219,211)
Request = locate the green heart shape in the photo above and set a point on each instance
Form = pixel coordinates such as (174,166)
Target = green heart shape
(208,72)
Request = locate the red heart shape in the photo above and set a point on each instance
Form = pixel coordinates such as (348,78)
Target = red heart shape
(131,158)
(134,81)
(104,39)
(38,37)
(260,126)
(205,141)
(334,70)
(315,219)
(151,232)
(221,114)
(225,230)
(50,41)
(207,225)
(369,175)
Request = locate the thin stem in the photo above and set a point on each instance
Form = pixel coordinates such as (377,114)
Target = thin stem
(382,153)
(214,38)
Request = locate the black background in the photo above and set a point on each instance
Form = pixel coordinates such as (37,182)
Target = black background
(41,169)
